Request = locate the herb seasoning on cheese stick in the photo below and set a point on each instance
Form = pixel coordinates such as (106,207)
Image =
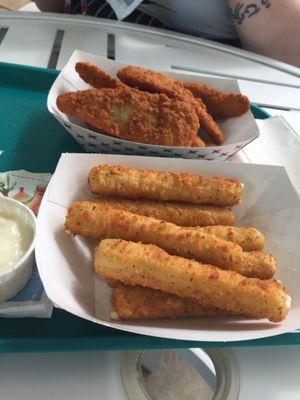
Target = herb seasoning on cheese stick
(150,266)
(98,222)
(182,214)
(247,237)
(136,302)
(192,215)
(170,186)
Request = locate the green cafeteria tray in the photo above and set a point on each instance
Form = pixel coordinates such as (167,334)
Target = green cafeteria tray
(33,140)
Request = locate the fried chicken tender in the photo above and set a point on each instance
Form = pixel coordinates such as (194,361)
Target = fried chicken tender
(133,115)
(156,82)
(98,78)
(95,76)
(198,142)
(220,105)
(248,238)
(99,222)
(136,302)
(160,185)
(149,266)
(182,214)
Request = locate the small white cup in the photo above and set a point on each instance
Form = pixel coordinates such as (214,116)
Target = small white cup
(13,280)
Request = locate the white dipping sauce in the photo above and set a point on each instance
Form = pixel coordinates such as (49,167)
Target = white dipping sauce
(13,241)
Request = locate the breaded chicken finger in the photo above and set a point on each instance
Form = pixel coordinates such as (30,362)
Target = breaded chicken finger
(97,222)
(159,185)
(133,115)
(136,302)
(156,82)
(95,76)
(150,266)
(182,214)
(219,104)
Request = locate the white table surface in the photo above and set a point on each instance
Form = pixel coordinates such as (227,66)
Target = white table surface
(266,373)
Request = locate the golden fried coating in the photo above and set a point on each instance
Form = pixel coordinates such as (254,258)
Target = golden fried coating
(193,216)
(182,214)
(113,283)
(133,115)
(151,81)
(208,124)
(247,237)
(220,105)
(160,185)
(149,266)
(95,76)
(95,221)
(98,78)
(198,142)
(136,302)
(156,82)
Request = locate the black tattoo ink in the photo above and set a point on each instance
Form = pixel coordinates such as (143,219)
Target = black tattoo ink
(252,9)
(236,14)
(242,11)
(266,3)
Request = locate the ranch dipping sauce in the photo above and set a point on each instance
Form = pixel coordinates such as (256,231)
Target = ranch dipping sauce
(14,241)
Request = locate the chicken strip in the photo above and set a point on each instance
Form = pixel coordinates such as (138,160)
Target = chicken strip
(198,142)
(160,185)
(133,115)
(156,82)
(96,77)
(136,302)
(220,105)
(149,266)
(182,214)
(97,222)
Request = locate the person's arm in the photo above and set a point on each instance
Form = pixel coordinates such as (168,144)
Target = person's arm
(50,5)
(269,27)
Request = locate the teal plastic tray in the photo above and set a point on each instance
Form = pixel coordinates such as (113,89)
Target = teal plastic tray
(33,140)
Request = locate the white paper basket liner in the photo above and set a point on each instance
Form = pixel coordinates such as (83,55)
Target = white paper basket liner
(65,264)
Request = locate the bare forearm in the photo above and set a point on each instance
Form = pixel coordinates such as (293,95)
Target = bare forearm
(269,27)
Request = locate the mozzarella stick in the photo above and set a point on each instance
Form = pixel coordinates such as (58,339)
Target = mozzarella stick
(149,266)
(248,238)
(170,186)
(182,214)
(95,221)
(136,302)
(193,216)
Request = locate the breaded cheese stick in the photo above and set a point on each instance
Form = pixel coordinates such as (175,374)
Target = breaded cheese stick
(157,185)
(150,266)
(182,214)
(193,216)
(247,237)
(95,221)
(136,302)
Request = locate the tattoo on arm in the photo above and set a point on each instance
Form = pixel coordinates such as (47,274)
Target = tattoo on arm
(241,11)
